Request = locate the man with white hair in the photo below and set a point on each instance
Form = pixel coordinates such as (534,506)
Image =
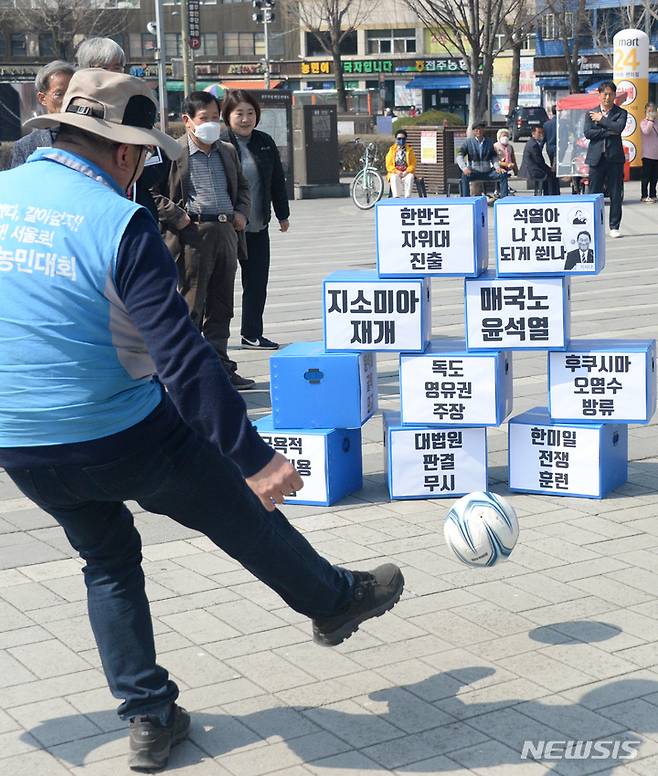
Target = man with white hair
(101,52)
(50,83)
(108,394)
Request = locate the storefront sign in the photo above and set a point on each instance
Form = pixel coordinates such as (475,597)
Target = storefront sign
(254,68)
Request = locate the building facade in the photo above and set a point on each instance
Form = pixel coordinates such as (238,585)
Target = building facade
(604,18)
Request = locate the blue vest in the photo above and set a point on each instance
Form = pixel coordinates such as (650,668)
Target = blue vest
(72,365)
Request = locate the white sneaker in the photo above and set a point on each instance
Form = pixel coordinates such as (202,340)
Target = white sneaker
(615,233)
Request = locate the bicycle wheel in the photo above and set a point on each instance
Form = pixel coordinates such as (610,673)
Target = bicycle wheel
(367,188)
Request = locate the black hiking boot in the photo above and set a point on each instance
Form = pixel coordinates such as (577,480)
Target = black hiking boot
(374,593)
(151,741)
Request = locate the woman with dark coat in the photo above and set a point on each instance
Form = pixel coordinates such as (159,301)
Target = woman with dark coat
(261,165)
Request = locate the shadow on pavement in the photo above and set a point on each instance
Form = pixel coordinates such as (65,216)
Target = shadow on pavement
(468,737)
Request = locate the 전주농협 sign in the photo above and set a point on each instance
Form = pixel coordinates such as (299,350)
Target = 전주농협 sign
(549,235)
(429,237)
(365,312)
(608,381)
(517,313)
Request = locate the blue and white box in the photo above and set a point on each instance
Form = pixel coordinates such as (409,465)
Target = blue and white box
(433,462)
(531,313)
(448,385)
(607,381)
(432,237)
(549,235)
(311,388)
(364,312)
(563,459)
(328,460)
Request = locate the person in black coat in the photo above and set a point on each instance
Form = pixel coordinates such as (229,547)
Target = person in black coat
(261,165)
(534,167)
(550,135)
(605,154)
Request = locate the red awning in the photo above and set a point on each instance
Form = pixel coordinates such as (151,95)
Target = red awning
(587,101)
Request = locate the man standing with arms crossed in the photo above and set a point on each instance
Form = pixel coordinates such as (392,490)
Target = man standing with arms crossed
(605,153)
(92,330)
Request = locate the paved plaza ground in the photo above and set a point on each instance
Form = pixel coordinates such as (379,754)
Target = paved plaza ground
(559,643)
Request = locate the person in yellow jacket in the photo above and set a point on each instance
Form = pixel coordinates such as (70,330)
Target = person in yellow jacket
(401,165)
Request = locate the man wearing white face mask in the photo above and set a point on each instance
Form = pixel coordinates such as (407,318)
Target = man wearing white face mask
(203,207)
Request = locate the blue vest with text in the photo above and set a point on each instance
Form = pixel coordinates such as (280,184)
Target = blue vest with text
(72,365)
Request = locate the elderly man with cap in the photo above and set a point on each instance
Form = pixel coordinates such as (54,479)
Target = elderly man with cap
(482,164)
(92,332)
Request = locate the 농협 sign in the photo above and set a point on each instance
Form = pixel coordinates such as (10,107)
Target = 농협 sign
(517,313)
(604,381)
(431,237)
(549,235)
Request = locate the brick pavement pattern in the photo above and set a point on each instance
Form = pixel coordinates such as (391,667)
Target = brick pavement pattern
(560,642)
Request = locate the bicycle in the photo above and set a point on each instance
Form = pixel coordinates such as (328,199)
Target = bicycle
(367,186)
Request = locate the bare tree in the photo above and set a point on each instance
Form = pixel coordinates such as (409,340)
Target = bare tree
(609,21)
(571,25)
(476,30)
(330,22)
(64,21)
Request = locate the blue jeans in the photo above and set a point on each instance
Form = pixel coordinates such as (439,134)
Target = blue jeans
(491,175)
(189,480)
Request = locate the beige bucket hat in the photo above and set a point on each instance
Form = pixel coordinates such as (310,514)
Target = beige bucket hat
(114,106)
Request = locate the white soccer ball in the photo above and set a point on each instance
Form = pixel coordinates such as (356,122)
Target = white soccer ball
(481,529)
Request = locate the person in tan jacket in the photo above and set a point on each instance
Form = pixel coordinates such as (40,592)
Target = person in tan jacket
(203,207)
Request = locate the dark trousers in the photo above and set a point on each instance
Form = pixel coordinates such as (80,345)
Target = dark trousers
(547,186)
(188,480)
(649,177)
(611,177)
(207,267)
(255,273)
(491,175)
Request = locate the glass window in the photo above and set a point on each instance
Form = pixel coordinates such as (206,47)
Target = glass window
(46,44)
(209,44)
(314,47)
(391,41)
(548,26)
(244,44)
(172,44)
(148,44)
(18,44)
(135,43)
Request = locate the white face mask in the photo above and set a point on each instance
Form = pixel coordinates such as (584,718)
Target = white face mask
(208,132)
(504,140)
